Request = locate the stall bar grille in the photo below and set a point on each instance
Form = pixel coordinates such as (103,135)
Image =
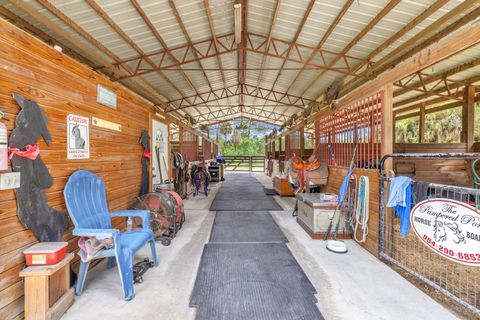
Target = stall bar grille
(457,281)
(357,126)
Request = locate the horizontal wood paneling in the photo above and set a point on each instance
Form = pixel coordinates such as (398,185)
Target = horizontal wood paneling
(335,177)
(61,86)
(444,171)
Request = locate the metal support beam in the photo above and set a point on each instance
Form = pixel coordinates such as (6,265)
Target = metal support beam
(430,90)
(25,25)
(214,95)
(453,89)
(215,41)
(419,42)
(389,7)
(255,43)
(428,79)
(408,27)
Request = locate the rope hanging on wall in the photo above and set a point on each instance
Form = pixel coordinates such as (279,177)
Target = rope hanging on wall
(362,209)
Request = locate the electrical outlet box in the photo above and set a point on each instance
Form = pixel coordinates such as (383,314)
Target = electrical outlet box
(9,180)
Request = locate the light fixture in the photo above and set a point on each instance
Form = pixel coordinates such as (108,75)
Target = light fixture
(237,12)
(58,48)
(159,115)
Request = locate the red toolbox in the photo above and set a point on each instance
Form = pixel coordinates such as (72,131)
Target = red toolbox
(45,253)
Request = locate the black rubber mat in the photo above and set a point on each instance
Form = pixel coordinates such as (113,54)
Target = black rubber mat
(242,192)
(248,205)
(252,281)
(269,192)
(247,272)
(241,226)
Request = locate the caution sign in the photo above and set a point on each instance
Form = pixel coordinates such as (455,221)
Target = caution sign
(78,144)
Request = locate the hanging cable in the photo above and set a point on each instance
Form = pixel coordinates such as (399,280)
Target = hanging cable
(362,209)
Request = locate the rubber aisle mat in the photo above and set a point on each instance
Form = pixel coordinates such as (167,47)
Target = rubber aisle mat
(245,226)
(247,281)
(242,192)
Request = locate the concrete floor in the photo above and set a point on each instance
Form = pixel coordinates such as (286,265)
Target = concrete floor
(351,286)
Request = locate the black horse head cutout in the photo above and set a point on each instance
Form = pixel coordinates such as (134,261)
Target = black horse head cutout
(145,142)
(33,211)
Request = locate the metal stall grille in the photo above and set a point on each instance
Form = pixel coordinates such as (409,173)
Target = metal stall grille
(458,282)
(358,124)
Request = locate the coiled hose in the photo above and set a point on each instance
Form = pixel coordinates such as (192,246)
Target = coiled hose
(362,209)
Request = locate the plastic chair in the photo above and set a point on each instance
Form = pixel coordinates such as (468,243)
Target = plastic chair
(87,206)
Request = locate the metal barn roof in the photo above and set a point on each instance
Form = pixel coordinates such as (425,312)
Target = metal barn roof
(182,54)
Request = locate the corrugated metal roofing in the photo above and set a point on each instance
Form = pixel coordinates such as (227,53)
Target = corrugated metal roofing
(188,80)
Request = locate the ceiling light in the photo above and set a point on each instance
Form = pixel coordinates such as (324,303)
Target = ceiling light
(58,48)
(237,12)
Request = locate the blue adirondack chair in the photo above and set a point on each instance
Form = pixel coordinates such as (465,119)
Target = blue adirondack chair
(87,206)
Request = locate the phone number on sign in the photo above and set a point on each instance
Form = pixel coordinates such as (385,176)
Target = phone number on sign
(459,255)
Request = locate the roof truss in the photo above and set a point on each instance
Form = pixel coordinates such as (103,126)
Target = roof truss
(442,87)
(281,98)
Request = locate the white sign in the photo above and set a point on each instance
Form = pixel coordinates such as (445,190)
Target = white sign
(106,97)
(450,228)
(9,180)
(78,144)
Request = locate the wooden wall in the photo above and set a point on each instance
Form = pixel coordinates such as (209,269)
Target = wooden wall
(61,86)
(445,171)
(336,175)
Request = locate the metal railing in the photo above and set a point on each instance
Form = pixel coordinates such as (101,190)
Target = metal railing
(459,282)
(245,163)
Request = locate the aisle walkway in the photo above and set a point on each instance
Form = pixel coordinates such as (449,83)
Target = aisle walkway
(352,286)
(247,271)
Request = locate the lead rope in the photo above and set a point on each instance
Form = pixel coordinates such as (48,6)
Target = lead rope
(362,209)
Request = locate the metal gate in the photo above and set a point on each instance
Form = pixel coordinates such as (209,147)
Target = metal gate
(457,281)
(245,163)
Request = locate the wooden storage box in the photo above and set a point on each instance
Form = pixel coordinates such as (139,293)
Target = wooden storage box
(314,215)
(282,186)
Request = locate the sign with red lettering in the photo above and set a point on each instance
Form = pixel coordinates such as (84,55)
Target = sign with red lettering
(450,228)
(78,139)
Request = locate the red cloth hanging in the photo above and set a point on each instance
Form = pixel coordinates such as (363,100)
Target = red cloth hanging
(147,154)
(31,152)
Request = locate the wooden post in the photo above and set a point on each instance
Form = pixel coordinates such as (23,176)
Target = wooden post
(421,129)
(279,147)
(468,113)
(180,139)
(387,124)
(302,142)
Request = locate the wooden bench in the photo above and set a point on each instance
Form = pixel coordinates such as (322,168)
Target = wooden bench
(47,290)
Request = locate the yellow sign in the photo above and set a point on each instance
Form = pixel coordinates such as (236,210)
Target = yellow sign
(106,124)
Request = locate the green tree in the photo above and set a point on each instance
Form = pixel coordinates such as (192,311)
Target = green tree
(443,126)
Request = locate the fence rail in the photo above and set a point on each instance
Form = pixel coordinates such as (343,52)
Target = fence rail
(245,163)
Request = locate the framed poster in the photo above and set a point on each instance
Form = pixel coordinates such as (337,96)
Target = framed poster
(78,142)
